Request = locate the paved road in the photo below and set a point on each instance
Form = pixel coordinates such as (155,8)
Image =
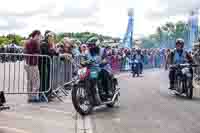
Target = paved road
(146,106)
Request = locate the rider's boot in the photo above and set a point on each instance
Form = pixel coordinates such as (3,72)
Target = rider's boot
(171,86)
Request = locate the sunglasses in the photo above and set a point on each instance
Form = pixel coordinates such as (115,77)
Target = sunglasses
(179,44)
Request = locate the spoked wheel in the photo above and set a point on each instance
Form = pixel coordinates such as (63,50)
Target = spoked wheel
(81,100)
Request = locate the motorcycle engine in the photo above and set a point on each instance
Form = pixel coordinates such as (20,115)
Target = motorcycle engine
(186,71)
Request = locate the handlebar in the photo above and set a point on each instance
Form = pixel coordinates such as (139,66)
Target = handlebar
(184,65)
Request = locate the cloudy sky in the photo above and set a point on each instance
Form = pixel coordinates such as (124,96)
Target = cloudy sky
(102,16)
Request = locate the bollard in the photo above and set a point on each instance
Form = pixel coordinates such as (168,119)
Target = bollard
(3,101)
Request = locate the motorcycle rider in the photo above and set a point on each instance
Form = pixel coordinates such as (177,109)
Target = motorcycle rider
(178,56)
(139,57)
(97,55)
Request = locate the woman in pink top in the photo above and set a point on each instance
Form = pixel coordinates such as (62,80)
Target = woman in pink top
(115,64)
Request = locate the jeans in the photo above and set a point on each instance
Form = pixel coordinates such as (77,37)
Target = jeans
(172,75)
(105,80)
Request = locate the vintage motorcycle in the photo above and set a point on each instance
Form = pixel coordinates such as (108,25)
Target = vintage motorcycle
(135,67)
(88,92)
(183,79)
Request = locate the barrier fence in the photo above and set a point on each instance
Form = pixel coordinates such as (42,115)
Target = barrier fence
(40,75)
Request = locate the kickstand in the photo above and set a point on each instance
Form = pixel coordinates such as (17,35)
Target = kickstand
(3,101)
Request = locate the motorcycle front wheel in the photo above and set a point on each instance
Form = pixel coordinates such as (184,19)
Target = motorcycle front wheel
(81,100)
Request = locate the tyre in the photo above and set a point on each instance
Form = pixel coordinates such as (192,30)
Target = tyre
(82,104)
(189,89)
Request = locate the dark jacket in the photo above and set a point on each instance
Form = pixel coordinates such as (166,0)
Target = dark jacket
(45,66)
(46,50)
(133,57)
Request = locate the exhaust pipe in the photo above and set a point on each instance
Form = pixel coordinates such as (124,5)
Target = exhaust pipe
(114,97)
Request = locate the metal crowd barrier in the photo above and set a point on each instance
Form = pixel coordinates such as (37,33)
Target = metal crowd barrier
(49,74)
(17,76)
(62,74)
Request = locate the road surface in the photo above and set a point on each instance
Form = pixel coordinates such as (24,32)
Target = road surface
(146,106)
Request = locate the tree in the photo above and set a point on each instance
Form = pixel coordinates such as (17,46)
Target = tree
(166,35)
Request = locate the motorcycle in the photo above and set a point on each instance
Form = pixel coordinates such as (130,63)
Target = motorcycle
(184,79)
(135,67)
(87,91)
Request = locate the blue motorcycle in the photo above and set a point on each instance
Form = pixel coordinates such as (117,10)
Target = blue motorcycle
(135,67)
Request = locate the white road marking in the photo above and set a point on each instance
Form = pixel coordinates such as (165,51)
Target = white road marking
(84,124)
(116,120)
(88,124)
(29,117)
(56,111)
(80,125)
(15,130)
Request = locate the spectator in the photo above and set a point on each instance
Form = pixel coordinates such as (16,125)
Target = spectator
(68,46)
(83,49)
(31,67)
(115,62)
(167,62)
(47,47)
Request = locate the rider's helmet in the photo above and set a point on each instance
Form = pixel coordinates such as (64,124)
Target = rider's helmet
(92,44)
(179,43)
(138,51)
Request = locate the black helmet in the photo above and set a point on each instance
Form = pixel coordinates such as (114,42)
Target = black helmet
(180,41)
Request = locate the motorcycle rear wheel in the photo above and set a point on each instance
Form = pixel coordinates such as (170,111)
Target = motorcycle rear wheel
(111,105)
